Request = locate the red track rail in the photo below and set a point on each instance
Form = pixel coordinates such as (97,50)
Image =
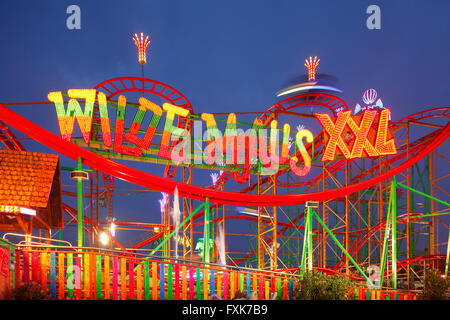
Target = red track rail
(116,86)
(194,192)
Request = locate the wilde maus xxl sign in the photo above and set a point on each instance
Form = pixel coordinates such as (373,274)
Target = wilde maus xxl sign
(365,135)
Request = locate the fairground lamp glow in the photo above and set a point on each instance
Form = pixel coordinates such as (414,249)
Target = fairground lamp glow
(142,44)
(312,64)
(103,238)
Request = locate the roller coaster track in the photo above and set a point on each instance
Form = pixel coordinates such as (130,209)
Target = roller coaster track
(416,117)
(9,139)
(414,147)
(194,192)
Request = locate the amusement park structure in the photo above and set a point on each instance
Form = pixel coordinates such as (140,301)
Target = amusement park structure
(357,196)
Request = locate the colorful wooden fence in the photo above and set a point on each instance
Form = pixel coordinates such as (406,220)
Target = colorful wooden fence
(376,294)
(91,275)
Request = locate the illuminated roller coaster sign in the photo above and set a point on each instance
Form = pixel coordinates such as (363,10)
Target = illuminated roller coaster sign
(357,136)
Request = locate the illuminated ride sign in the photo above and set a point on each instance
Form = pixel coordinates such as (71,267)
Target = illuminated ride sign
(362,135)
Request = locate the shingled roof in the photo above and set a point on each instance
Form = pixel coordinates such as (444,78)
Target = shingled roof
(26,178)
(31,179)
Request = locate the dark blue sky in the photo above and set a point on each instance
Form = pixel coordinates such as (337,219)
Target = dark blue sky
(226,56)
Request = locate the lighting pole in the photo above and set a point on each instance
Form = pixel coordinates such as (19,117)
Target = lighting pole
(142,44)
(80,175)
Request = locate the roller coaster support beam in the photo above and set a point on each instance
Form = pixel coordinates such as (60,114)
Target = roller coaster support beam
(307,258)
(310,249)
(200,207)
(305,243)
(80,207)
(341,247)
(441,202)
(79,175)
(394,232)
(206,234)
(448,255)
(385,249)
(424,194)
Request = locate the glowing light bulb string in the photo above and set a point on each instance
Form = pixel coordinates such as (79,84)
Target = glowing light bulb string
(142,44)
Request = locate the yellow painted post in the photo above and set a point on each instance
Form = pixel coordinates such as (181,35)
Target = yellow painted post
(123,278)
(255,284)
(87,284)
(184,294)
(232,284)
(267,290)
(43,258)
(139,281)
(154,281)
(106,278)
(205,284)
(61,270)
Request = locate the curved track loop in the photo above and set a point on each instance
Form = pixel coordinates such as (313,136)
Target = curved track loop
(333,103)
(194,192)
(430,113)
(117,86)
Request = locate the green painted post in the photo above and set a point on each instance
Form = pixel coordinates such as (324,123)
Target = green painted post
(394,232)
(279,293)
(340,246)
(206,235)
(213,213)
(305,242)
(169,282)
(70,275)
(310,250)
(385,243)
(147,279)
(198,285)
(99,276)
(80,207)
